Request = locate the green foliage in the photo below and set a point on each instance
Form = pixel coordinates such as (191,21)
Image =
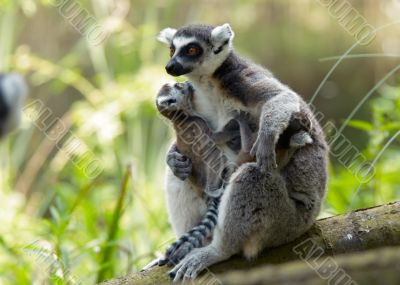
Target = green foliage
(61,225)
(346,192)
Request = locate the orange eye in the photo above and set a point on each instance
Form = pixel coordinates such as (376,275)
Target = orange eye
(192,51)
(171,51)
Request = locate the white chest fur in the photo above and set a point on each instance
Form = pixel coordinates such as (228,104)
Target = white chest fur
(212,105)
(215,108)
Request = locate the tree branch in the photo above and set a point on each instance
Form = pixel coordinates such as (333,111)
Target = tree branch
(357,231)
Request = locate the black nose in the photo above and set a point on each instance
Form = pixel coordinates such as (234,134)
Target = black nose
(174,68)
(170,67)
(169,102)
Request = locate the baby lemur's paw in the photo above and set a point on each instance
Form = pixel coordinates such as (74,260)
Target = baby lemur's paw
(303,199)
(180,165)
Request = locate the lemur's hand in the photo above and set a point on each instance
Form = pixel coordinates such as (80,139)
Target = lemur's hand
(180,165)
(264,151)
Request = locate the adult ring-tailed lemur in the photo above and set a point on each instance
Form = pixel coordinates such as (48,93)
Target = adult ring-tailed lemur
(262,205)
(12,94)
(210,167)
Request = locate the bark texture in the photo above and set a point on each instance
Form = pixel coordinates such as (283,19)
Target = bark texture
(361,230)
(375,266)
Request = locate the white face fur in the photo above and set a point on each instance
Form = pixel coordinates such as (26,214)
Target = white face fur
(177,97)
(193,55)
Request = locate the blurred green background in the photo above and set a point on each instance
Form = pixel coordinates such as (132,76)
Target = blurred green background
(59,225)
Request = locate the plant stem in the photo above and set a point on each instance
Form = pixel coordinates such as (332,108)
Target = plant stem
(109,246)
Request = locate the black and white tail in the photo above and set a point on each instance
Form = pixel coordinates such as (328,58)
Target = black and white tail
(194,238)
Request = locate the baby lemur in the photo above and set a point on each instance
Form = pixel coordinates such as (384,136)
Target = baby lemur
(211,168)
(262,205)
(195,139)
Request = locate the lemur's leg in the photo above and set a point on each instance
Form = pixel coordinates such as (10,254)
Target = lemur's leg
(194,238)
(275,118)
(255,211)
(180,165)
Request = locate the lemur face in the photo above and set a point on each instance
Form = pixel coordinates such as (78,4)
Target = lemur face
(174,97)
(197,49)
(13,91)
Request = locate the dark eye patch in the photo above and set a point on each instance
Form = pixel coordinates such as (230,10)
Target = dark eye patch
(184,51)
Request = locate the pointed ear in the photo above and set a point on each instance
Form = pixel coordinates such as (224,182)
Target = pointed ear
(166,36)
(222,35)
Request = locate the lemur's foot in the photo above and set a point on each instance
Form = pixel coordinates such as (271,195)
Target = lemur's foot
(180,165)
(196,261)
(190,267)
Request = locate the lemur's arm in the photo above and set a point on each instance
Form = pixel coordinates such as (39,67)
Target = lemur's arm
(246,135)
(275,117)
(180,165)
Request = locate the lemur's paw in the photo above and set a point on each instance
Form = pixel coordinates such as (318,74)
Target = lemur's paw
(189,268)
(180,165)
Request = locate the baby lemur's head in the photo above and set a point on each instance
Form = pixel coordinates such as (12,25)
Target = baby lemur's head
(197,49)
(174,97)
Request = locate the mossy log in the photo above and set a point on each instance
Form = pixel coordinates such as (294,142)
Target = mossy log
(375,266)
(357,231)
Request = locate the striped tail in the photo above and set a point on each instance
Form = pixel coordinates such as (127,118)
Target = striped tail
(194,238)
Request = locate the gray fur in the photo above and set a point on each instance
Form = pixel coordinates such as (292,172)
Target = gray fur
(12,94)
(263,205)
(175,103)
